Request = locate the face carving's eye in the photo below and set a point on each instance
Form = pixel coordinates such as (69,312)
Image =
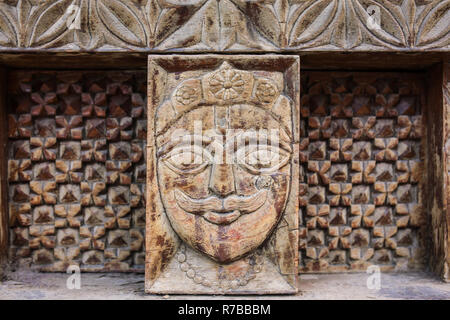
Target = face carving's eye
(187,159)
(262,159)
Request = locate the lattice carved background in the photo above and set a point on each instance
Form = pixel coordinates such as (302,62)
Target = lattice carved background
(361,198)
(76,169)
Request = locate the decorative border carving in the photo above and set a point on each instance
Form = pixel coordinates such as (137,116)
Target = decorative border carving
(225,25)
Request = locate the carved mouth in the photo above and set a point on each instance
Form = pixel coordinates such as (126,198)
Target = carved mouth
(221,211)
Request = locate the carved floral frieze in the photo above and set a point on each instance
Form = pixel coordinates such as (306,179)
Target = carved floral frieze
(225,25)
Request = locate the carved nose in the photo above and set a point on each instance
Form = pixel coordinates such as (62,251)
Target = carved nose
(222,179)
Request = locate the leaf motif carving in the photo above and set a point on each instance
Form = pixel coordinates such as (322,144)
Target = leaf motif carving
(409,9)
(7,34)
(263,17)
(389,33)
(172,17)
(208,29)
(122,22)
(52,22)
(436,25)
(21,20)
(346,29)
(236,31)
(24,9)
(224,25)
(313,21)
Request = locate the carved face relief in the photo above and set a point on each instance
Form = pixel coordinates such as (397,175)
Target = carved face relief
(224,161)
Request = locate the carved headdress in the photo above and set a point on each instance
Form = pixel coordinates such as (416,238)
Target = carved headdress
(225,86)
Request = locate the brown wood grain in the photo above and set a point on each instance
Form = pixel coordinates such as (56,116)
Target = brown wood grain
(436,170)
(372,61)
(3,160)
(446,213)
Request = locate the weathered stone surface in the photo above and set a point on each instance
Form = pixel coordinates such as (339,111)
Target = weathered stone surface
(362,181)
(227,221)
(76,170)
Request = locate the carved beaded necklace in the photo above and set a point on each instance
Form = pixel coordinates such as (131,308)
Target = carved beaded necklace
(255,261)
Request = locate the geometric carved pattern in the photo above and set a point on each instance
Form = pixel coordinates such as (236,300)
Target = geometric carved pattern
(360,194)
(76,170)
(217,26)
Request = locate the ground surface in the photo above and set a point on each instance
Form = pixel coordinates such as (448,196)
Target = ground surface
(30,285)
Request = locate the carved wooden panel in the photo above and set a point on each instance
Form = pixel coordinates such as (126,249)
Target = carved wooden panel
(222,217)
(437,148)
(76,169)
(362,172)
(236,25)
(445,237)
(4,232)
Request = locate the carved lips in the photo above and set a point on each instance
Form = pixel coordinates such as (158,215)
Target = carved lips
(221,211)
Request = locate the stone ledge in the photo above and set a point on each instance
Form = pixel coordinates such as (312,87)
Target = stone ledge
(28,285)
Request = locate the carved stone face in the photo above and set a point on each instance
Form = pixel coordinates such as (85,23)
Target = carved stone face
(226,209)
(224,160)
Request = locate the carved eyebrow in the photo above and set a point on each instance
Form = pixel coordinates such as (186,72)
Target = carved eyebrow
(285,145)
(187,140)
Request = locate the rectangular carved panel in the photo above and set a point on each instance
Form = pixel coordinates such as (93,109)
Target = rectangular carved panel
(223,137)
(226,25)
(76,169)
(362,172)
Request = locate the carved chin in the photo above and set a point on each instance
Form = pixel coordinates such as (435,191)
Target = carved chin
(242,233)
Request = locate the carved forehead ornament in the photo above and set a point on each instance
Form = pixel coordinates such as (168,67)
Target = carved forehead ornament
(226,86)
